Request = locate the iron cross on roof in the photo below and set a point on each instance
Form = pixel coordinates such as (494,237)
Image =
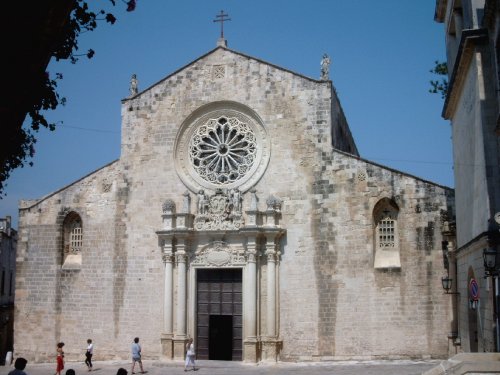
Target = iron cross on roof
(221,18)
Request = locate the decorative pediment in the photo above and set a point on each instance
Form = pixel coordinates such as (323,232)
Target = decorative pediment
(218,254)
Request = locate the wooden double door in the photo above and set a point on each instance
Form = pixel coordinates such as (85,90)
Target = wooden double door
(219,314)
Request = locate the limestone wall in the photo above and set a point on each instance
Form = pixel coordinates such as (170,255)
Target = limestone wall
(358,311)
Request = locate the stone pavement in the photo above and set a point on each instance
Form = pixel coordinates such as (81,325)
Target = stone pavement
(239,368)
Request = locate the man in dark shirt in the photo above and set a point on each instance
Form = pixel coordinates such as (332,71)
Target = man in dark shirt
(19,365)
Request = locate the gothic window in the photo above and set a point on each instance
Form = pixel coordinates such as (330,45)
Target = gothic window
(385,216)
(73,240)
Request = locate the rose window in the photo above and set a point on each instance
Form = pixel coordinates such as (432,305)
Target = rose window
(223,150)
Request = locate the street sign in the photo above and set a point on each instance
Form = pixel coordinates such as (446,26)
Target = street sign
(474,290)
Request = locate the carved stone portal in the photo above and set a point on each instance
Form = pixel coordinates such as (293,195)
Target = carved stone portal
(216,237)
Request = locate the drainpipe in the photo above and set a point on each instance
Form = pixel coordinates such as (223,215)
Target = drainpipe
(496,312)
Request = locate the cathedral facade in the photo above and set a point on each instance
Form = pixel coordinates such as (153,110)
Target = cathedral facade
(239,214)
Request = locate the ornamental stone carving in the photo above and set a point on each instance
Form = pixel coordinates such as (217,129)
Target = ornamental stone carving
(218,254)
(223,150)
(253,200)
(167,258)
(221,145)
(202,204)
(220,211)
(168,207)
(273,203)
(180,257)
(186,203)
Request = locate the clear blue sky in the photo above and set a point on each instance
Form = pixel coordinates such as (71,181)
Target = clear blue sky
(381,54)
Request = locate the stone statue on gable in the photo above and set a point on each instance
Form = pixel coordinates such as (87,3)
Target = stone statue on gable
(134,85)
(325,68)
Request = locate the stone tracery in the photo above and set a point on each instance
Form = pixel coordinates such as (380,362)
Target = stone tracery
(221,145)
(223,150)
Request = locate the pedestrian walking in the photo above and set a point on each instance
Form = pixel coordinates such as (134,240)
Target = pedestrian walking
(59,358)
(136,355)
(190,354)
(88,354)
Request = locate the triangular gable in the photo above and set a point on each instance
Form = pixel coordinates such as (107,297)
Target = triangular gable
(228,50)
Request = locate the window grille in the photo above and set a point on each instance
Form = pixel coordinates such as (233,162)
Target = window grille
(76,238)
(386,233)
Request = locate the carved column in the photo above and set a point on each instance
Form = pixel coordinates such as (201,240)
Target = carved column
(167,312)
(250,300)
(270,342)
(180,329)
(271,290)
(167,335)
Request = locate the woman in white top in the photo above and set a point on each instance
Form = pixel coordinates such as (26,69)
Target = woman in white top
(190,354)
(88,354)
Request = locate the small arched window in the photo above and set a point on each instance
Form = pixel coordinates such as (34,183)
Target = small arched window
(75,237)
(386,230)
(73,240)
(385,217)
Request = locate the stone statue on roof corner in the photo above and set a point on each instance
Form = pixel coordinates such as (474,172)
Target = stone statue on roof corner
(325,68)
(134,88)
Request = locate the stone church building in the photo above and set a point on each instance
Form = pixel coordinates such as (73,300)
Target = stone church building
(239,214)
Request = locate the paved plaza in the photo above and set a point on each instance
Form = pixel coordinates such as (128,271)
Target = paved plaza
(239,368)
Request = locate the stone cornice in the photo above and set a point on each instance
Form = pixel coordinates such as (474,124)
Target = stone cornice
(481,240)
(468,43)
(440,10)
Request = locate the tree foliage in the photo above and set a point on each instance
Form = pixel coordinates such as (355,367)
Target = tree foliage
(58,25)
(440,86)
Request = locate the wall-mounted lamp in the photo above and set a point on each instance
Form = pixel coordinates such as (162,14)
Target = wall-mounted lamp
(490,262)
(446,282)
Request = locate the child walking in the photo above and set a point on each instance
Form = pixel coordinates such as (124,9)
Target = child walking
(136,355)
